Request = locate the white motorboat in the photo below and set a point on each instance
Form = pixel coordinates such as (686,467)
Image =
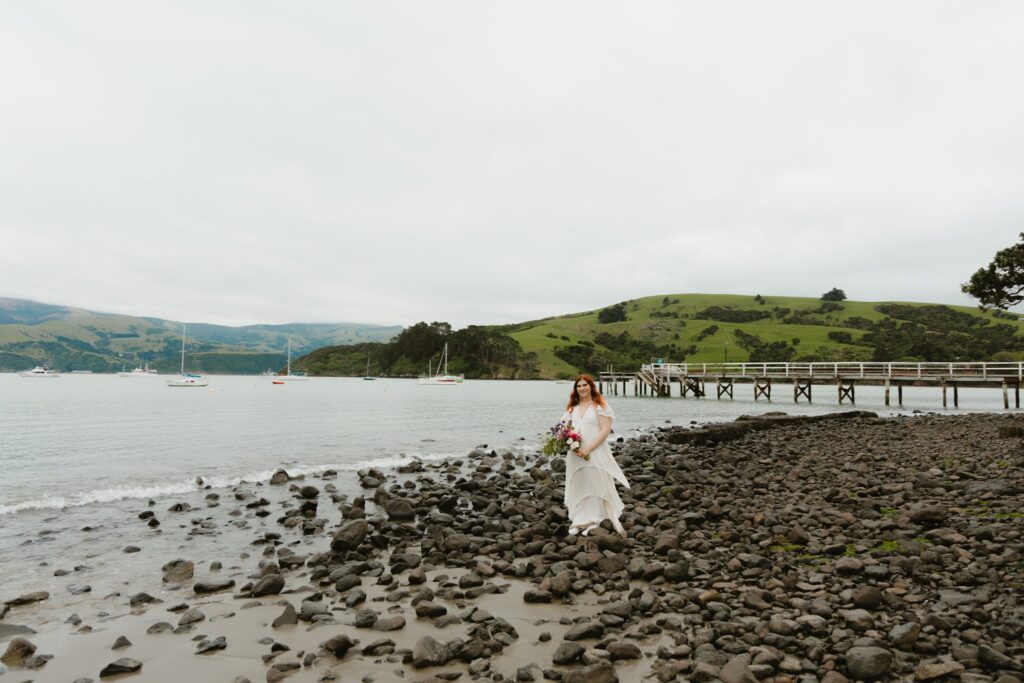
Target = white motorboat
(139,372)
(442,378)
(186,380)
(40,371)
(288,376)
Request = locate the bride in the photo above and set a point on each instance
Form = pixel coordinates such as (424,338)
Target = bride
(590,494)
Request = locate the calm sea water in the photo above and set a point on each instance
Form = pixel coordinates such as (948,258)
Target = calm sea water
(91,439)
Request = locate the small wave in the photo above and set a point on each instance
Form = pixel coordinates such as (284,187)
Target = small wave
(110,495)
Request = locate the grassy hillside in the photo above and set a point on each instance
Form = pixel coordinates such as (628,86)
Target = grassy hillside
(711,327)
(77,339)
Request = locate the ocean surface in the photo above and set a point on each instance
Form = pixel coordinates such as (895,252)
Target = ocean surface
(92,439)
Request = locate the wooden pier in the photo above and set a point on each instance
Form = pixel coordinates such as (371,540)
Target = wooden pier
(657,379)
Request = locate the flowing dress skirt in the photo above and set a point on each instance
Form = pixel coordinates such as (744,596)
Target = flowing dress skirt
(590,494)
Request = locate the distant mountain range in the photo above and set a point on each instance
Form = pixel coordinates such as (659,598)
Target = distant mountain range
(68,338)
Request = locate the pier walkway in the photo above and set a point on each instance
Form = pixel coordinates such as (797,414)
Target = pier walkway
(657,379)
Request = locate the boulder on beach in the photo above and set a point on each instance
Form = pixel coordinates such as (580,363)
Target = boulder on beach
(339,645)
(28,598)
(125,665)
(178,571)
(350,536)
(279,477)
(271,584)
(18,650)
(213,585)
(868,663)
(399,509)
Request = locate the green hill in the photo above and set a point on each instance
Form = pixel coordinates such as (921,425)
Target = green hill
(711,327)
(694,328)
(76,339)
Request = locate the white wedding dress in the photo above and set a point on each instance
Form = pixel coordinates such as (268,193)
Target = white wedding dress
(590,494)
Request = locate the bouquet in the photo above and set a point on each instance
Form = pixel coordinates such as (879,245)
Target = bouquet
(562,439)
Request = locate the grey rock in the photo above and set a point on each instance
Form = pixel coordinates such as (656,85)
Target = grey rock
(993,660)
(903,636)
(868,663)
(429,652)
(178,571)
(213,585)
(271,584)
(737,670)
(399,509)
(125,665)
(211,645)
(350,536)
(142,599)
(602,672)
(289,617)
(339,645)
(28,598)
(585,631)
(623,649)
(192,616)
(393,623)
(568,653)
(17,651)
(926,672)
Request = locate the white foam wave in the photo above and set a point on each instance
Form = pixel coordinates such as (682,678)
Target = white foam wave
(156,490)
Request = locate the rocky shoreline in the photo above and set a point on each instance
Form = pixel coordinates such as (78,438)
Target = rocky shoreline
(778,549)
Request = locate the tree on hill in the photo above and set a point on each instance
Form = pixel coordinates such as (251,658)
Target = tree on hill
(1000,284)
(834,294)
(612,314)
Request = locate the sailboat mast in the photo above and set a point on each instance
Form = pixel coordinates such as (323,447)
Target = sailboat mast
(183,349)
(446,358)
(289,357)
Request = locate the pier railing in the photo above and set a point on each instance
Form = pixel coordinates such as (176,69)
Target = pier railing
(936,372)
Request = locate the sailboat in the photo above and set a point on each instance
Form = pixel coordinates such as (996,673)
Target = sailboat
(288,376)
(442,378)
(186,380)
(367,375)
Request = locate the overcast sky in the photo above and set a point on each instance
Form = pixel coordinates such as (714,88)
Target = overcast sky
(482,162)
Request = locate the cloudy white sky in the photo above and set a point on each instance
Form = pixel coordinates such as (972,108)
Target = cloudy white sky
(486,162)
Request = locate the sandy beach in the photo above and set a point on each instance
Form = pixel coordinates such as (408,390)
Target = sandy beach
(826,548)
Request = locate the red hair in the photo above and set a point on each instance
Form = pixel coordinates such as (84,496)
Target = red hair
(595,393)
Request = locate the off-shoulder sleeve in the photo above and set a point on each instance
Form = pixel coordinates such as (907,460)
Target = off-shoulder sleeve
(606,411)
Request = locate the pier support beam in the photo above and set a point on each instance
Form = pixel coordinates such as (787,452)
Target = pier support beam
(694,385)
(763,387)
(801,387)
(723,386)
(956,394)
(899,393)
(847,389)
(886,391)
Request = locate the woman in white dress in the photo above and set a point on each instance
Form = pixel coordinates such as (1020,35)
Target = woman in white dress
(590,494)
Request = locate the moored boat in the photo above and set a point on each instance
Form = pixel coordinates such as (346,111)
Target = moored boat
(186,380)
(289,376)
(139,372)
(40,371)
(442,378)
